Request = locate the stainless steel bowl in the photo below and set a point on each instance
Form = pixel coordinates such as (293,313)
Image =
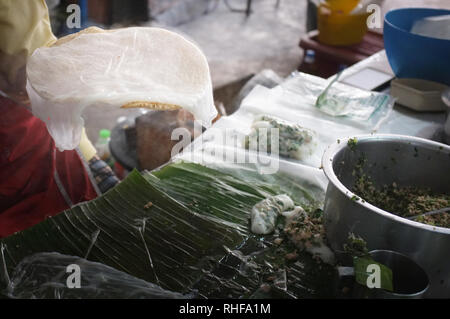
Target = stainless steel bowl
(407,161)
(446,99)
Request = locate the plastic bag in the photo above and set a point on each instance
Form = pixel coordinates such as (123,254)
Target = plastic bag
(132,67)
(267,78)
(346,104)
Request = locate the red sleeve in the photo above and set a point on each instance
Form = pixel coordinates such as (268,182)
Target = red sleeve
(28,162)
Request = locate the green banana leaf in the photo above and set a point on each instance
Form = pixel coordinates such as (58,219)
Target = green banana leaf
(227,195)
(164,244)
(183,228)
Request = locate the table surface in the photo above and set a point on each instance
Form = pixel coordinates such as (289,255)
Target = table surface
(403,121)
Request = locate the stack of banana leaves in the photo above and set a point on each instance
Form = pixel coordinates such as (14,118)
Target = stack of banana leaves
(180,232)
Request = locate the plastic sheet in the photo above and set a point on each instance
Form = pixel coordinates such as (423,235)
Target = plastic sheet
(346,104)
(132,67)
(263,101)
(267,78)
(44,275)
(143,232)
(289,177)
(193,238)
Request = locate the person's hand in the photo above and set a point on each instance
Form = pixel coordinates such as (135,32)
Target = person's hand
(12,72)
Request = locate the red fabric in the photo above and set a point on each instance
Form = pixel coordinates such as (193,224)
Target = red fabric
(28,192)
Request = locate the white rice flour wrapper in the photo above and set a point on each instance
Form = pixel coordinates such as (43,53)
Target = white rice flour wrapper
(133,67)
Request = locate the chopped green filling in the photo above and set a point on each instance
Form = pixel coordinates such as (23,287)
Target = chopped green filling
(356,246)
(352,143)
(405,201)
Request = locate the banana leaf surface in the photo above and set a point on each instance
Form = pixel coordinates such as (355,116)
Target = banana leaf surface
(180,231)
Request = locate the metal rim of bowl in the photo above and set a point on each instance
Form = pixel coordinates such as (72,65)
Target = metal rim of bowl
(332,150)
(411,9)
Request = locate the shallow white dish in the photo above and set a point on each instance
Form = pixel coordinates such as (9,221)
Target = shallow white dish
(419,95)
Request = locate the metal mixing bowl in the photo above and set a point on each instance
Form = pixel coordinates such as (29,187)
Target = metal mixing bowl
(407,161)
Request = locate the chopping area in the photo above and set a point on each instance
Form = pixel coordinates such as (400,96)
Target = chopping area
(225,149)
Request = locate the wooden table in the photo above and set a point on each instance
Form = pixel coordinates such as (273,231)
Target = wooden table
(331,59)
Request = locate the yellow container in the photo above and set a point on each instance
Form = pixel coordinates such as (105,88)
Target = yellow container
(346,6)
(338,27)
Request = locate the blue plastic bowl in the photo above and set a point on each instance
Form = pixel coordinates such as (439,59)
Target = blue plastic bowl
(415,56)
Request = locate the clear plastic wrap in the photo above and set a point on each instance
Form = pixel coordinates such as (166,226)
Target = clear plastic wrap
(44,276)
(290,176)
(132,67)
(346,104)
(327,130)
(294,103)
(294,141)
(194,239)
